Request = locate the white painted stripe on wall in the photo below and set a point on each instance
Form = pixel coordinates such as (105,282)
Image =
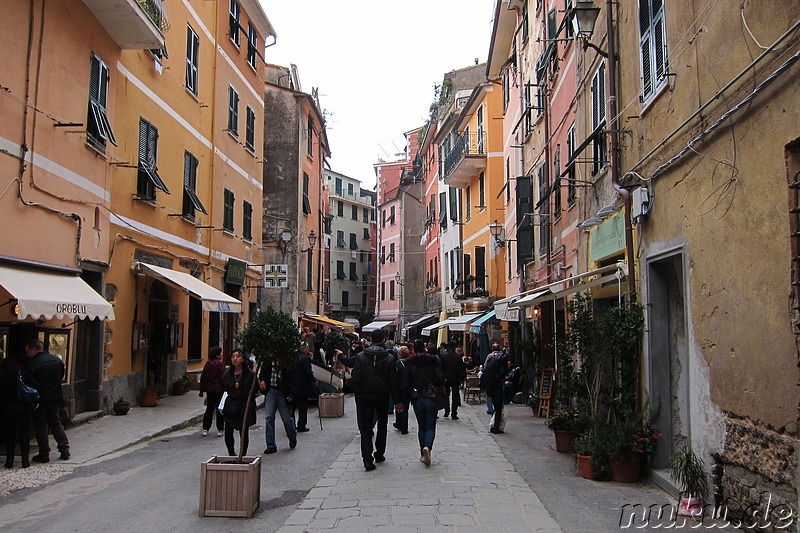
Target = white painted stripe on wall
(57,170)
(198,21)
(238,169)
(259,99)
(162,104)
(157,233)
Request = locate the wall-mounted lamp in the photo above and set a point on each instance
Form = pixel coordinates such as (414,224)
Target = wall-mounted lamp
(607,210)
(585,13)
(312,241)
(398,279)
(589,222)
(496,229)
(283,242)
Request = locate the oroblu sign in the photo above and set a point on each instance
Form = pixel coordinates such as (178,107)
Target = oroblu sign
(70,309)
(608,238)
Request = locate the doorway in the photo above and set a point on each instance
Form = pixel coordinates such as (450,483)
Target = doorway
(668,355)
(160,345)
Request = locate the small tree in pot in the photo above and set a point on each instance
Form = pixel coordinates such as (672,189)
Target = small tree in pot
(689,472)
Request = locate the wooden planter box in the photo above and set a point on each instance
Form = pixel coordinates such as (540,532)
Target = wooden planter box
(230,489)
(331,405)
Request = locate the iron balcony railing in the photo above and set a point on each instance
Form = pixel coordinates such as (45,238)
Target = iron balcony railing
(155,10)
(472,144)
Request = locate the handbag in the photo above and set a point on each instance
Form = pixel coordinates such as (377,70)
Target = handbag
(26,393)
(439,393)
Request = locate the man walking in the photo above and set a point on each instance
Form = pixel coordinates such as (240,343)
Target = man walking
(48,370)
(494,370)
(373,378)
(455,372)
(303,383)
(274,383)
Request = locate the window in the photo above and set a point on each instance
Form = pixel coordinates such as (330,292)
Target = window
(340,239)
(366,233)
(383,290)
(353,241)
(233,22)
(391,215)
(227,213)
(481,133)
(310,271)
(480,267)
(453,197)
(383,218)
(525,227)
(383,255)
(364,300)
(391,289)
(482,190)
(354,212)
(250,130)
(148,179)
(391,253)
(556,189)
(350,189)
(252,44)
(353,274)
(306,202)
(192,49)
(247,221)
(432,209)
(567,9)
(468,201)
(310,138)
(653,47)
(366,215)
(340,270)
(233,111)
(443,210)
(191,202)
(98,129)
(598,119)
(572,188)
(338,186)
(345,299)
(340,208)
(544,203)
(524,23)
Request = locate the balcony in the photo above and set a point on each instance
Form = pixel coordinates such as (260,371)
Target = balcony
(411,174)
(470,289)
(133,24)
(465,159)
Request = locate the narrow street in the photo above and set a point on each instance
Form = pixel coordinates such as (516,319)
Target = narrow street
(477,482)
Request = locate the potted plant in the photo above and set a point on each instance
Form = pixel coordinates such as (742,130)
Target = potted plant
(272,337)
(186,382)
(149,396)
(565,424)
(583,447)
(689,472)
(121,407)
(631,441)
(177,388)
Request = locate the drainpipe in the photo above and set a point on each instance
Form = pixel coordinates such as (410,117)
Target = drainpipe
(614,148)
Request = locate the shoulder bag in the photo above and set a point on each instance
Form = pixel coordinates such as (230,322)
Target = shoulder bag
(26,393)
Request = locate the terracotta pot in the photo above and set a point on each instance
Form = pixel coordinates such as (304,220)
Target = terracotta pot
(585,466)
(178,389)
(564,440)
(121,408)
(626,471)
(148,398)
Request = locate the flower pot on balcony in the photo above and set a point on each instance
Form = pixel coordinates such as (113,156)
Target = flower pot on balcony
(564,440)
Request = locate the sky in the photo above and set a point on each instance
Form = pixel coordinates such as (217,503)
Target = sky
(376,64)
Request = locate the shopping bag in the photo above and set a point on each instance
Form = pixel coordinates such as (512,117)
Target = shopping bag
(501,423)
(221,406)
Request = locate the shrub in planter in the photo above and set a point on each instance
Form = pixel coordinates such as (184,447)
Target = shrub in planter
(689,472)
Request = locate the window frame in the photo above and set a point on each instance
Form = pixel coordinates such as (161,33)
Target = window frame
(191,202)
(229,200)
(653,71)
(250,130)
(233,111)
(252,45)
(234,17)
(247,221)
(148,179)
(192,60)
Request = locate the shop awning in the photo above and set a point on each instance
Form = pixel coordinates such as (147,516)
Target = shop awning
(475,327)
(462,323)
(213,300)
(319,319)
(427,330)
(51,294)
(420,320)
(378,324)
(571,285)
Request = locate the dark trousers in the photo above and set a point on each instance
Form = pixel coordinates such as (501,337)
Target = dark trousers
(455,401)
(401,419)
(370,408)
(229,431)
(300,404)
(497,400)
(46,418)
(17,428)
(212,402)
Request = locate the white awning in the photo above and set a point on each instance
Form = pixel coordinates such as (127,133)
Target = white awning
(427,330)
(213,300)
(420,320)
(378,324)
(52,294)
(531,299)
(461,323)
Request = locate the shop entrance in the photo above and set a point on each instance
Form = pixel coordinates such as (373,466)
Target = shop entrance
(160,346)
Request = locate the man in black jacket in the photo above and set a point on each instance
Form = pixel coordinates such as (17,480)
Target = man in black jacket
(494,370)
(373,378)
(455,372)
(48,370)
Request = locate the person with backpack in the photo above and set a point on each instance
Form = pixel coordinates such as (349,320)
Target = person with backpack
(492,380)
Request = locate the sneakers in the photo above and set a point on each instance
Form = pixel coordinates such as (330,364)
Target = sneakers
(219,433)
(270,450)
(379,458)
(369,466)
(426,456)
(40,459)
(205,433)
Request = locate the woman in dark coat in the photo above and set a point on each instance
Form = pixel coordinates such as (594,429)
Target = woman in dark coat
(238,382)
(211,383)
(423,372)
(16,414)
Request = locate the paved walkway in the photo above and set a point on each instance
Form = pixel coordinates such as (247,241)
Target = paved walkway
(469,487)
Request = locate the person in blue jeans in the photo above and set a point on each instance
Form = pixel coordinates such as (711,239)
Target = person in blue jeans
(423,374)
(274,383)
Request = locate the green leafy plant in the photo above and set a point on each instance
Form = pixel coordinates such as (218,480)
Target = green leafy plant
(121,399)
(564,419)
(689,471)
(335,340)
(583,445)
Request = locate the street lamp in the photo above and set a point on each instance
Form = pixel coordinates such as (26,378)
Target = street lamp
(312,241)
(496,229)
(585,13)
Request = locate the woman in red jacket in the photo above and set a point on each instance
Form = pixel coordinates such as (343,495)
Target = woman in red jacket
(211,383)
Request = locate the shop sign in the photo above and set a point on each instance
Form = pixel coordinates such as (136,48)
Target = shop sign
(608,238)
(235,272)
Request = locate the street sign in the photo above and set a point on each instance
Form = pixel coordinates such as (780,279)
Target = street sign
(276,276)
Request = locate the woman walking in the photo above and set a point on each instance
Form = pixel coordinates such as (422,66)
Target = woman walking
(211,383)
(422,374)
(238,382)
